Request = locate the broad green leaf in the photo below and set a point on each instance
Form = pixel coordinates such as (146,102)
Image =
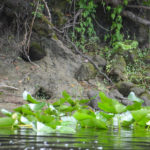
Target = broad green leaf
(6,112)
(133,97)
(81,116)
(6,122)
(29,98)
(87,111)
(36,107)
(65,108)
(135,106)
(44,118)
(127,123)
(25,121)
(141,116)
(59,102)
(90,121)
(104,116)
(31,118)
(54,123)
(99,123)
(93,123)
(110,105)
(62,100)
(24,109)
(42,128)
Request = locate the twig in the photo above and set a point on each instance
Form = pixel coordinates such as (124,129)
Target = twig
(9,87)
(90,60)
(48,11)
(138,6)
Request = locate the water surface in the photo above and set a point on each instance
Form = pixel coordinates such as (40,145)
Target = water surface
(84,139)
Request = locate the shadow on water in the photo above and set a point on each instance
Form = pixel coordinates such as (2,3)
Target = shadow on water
(84,139)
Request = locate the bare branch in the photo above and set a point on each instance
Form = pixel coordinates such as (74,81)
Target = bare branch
(8,87)
(76,16)
(135,18)
(48,11)
(138,6)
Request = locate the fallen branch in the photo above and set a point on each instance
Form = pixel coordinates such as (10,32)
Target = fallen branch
(135,18)
(8,87)
(138,6)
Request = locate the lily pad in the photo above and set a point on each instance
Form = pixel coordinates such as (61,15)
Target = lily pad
(133,97)
(6,122)
(110,105)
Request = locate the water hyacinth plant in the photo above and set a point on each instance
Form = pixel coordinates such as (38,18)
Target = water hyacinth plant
(67,115)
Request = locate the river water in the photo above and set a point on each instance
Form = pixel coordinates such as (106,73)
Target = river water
(83,139)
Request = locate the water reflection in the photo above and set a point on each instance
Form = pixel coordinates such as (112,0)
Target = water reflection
(84,139)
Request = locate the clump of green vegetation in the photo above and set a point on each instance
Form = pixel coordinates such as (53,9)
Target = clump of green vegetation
(84,34)
(67,115)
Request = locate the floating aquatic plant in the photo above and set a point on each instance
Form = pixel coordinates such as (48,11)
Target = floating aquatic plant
(67,115)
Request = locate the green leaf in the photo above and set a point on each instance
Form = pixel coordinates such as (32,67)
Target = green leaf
(106,115)
(65,108)
(54,123)
(37,107)
(110,105)
(81,116)
(90,121)
(108,8)
(6,112)
(113,16)
(135,106)
(6,122)
(44,118)
(29,98)
(42,128)
(133,97)
(66,98)
(141,116)
(25,121)
(127,123)
(24,109)
(93,123)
